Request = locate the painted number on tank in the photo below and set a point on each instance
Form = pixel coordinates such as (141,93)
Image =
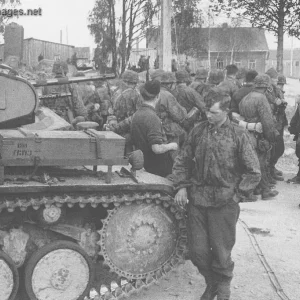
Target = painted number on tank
(22,150)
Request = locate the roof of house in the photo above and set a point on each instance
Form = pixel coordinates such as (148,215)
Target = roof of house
(286,54)
(31,38)
(222,39)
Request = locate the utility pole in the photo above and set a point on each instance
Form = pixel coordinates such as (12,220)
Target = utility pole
(165,56)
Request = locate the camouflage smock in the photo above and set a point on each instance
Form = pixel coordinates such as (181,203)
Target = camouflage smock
(127,103)
(225,165)
(229,85)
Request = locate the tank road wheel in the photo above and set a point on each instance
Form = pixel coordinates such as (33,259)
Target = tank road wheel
(59,270)
(137,240)
(9,278)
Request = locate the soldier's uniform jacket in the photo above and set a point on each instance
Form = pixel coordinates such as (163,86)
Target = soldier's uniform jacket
(127,103)
(61,105)
(202,87)
(226,165)
(273,93)
(189,98)
(171,113)
(229,85)
(104,99)
(239,95)
(256,108)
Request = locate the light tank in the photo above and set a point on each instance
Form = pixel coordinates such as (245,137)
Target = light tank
(59,219)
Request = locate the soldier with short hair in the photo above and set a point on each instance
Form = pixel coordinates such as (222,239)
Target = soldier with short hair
(226,169)
(241,76)
(255,108)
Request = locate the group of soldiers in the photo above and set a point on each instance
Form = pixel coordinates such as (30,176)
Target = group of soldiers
(257,104)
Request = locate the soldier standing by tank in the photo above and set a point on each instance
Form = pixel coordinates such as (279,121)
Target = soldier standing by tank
(255,108)
(171,113)
(128,101)
(247,87)
(278,105)
(227,169)
(188,98)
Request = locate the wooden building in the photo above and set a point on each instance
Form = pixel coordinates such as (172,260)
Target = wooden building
(243,46)
(32,48)
(291,62)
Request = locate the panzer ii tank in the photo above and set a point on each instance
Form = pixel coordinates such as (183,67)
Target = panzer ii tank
(59,219)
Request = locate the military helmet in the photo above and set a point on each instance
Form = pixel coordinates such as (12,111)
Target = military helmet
(281,79)
(216,76)
(201,74)
(262,80)
(130,76)
(182,76)
(272,73)
(157,74)
(168,77)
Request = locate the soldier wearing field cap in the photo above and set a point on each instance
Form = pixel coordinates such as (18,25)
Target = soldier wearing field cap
(188,98)
(255,108)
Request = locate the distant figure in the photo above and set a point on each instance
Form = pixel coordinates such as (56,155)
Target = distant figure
(174,65)
(40,57)
(156,62)
(74,59)
(188,68)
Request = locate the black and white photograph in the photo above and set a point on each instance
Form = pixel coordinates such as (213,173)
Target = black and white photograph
(149,149)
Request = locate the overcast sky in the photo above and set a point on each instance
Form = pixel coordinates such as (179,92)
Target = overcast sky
(71,16)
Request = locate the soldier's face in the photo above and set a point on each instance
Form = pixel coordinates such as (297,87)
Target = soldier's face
(215,115)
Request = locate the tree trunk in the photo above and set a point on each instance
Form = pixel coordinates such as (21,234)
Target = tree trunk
(113,35)
(280,33)
(123,43)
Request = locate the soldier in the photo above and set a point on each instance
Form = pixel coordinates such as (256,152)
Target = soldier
(230,85)
(70,108)
(171,113)
(199,83)
(215,77)
(243,91)
(256,109)
(188,98)
(294,128)
(275,97)
(147,133)
(156,74)
(227,169)
(128,101)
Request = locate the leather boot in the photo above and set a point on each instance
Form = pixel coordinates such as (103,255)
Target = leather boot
(210,292)
(224,290)
(269,195)
(275,175)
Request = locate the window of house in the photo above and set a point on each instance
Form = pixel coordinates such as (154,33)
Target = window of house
(252,64)
(297,63)
(238,63)
(220,63)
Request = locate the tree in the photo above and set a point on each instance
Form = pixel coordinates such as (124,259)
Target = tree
(118,40)
(277,16)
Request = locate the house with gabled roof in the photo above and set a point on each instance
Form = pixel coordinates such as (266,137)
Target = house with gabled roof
(243,46)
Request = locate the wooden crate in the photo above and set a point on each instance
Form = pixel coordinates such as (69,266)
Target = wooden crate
(61,148)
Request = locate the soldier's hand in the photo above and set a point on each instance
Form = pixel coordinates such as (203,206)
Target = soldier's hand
(181,197)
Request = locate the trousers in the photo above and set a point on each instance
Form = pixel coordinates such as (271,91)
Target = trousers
(211,237)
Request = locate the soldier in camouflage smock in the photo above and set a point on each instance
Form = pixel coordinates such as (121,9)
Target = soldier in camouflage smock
(171,113)
(199,83)
(255,108)
(188,98)
(226,170)
(275,97)
(71,108)
(129,100)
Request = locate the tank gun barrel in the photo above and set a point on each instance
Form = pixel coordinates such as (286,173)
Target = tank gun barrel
(67,80)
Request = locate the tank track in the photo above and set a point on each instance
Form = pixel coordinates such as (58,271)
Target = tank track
(129,285)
